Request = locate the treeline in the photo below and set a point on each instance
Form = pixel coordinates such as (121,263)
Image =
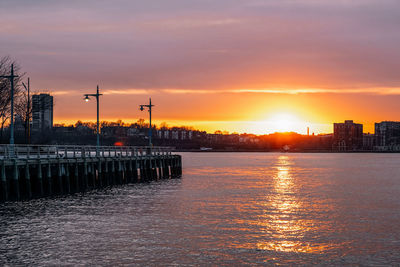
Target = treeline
(140,123)
(21,110)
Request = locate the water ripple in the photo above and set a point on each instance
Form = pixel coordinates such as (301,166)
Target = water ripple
(228,209)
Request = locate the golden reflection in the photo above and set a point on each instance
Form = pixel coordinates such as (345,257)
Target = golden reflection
(282,222)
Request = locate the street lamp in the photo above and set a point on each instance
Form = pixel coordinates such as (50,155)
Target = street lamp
(11,77)
(149,106)
(87,98)
(28,113)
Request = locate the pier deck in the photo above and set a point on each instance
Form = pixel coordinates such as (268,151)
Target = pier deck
(39,171)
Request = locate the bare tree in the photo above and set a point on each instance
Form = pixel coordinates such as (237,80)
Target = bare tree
(5,90)
(24,111)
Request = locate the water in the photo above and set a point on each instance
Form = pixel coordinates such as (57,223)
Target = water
(228,209)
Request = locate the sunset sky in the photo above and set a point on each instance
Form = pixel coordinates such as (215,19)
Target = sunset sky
(255,66)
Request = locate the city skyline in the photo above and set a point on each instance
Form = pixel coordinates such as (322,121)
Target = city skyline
(165,125)
(232,65)
(281,123)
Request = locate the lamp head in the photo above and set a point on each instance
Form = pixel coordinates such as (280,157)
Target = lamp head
(86,98)
(141,108)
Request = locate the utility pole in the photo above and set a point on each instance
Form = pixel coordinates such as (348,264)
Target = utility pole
(149,106)
(97,95)
(28,112)
(11,77)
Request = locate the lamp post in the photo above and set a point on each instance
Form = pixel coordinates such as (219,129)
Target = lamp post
(11,77)
(149,106)
(87,98)
(28,112)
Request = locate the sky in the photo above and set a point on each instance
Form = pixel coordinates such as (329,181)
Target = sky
(255,66)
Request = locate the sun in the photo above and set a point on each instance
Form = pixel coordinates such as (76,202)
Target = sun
(284,122)
(277,122)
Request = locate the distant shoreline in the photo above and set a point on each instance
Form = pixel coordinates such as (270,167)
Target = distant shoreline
(281,151)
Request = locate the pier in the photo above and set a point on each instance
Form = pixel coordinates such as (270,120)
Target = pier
(29,171)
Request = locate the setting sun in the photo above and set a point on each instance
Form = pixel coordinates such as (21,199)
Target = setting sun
(278,122)
(286,122)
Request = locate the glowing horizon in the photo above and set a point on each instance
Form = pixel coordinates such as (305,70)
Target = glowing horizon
(240,127)
(281,112)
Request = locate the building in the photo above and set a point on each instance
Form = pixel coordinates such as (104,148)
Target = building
(42,112)
(387,135)
(19,124)
(65,130)
(347,136)
(368,141)
(175,135)
(132,131)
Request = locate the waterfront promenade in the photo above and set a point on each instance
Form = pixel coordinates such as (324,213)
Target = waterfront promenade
(29,171)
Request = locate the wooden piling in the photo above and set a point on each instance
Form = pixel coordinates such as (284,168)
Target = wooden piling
(4,187)
(107,175)
(28,189)
(39,179)
(85,176)
(67,178)
(49,181)
(76,177)
(15,182)
(135,171)
(113,176)
(60,186)
(99,173)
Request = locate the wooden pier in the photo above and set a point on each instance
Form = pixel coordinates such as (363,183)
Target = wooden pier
(40,171)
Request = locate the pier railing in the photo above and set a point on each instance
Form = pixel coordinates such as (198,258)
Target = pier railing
(75,151)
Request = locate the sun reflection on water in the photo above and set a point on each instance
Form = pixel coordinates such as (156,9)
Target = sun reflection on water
(281,222)
(279,211)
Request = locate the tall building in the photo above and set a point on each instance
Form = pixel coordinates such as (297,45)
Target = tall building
(347,136)
(42,112)
(387,135)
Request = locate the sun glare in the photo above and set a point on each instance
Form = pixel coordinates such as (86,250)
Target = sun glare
(284,122)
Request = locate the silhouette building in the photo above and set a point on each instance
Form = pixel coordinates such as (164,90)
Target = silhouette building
(347,136)
(42,112)
(368,141)
(387,135)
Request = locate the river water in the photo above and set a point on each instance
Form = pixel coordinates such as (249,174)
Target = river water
(227,209)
